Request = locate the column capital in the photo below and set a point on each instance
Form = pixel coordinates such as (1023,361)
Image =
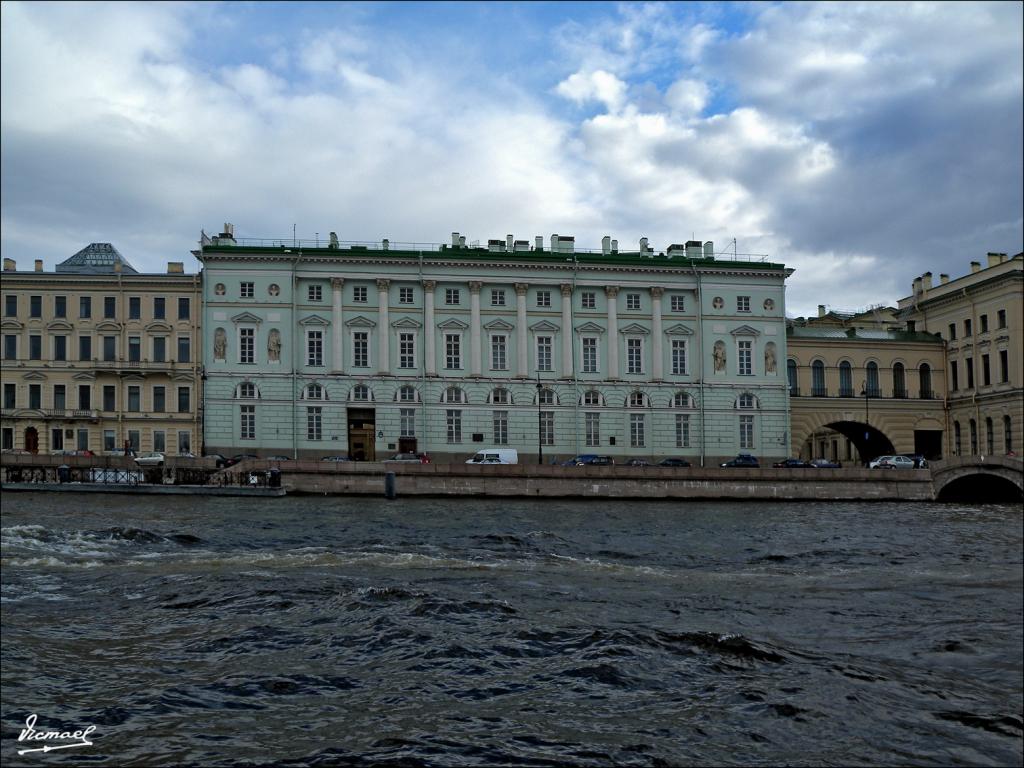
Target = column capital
(657,291)
(429,285)
(611,290)
(382,284)
(337,283)
(521,288)
(475,286)
(566,289)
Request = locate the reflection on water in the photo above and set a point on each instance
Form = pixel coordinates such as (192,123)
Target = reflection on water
(312,631)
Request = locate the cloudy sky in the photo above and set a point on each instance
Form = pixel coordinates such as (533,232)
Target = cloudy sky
(861,144)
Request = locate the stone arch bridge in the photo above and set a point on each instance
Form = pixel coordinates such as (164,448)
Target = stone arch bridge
(978,478)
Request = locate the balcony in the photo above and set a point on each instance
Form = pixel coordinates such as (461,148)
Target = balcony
(85,413)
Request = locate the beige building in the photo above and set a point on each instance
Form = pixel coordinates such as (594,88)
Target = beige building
(96,355)
(979,316)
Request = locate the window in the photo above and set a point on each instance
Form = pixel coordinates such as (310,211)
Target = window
(408,394)
(899,380)
(746,401)
(924,377)
(678,303)
(57,439)
(952,331)
(246,290)
(1007,434)
(361,349)
(10,305)
(499,427)
(159,308)
(35,306)
(359,294)
(108,440)
(315,348)
(872,380)
(678,357)
(110,307)
(361,393)
(134,349)
(10,395)
(592,399)
(454,395)
(845,379)
(35,347)
(134,399)
(682,400)
(407,422)
(314,423)
(589,352)
(956,439)
(160,399)
(990,437)
(110,399)
(134,439)
(60,348)
(1001,318)
(314,392)
(973,425)
(109,348)
(405,296)
(497,297)
(1004,366)
(247,390)
(184,349)
(453,422)
(246,345)
(159,440)
(592,429)
(10,346)
(85,306)
(986,372)
(452,296)
(543,353)
(60,401)
(85,347)
(969,363)
(634,356)
(159,349)
(499,349)
(791,378)
(742,303)
(983,320)
(637,400)
(967,328)
(547,427)
(8,439)
(82,439)
(543,298)
(745,358)
(452,351)
(184,308)
(637,424)
(60,306)
(546,397)
(954,378)
(134,307)
(588,300)
(746,431)
(184,399)
(633,301)
(682,430)
(184,441)
(315,293)
(247,422)
(407,350)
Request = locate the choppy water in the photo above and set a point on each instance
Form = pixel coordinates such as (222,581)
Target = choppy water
(316,631)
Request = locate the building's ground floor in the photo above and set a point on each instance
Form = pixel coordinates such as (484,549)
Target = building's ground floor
(41,432)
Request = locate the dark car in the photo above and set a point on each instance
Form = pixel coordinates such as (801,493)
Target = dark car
(743,460)
(240,457)
(638,463)
(334,458)
(589,460)
(793,464)
(825,464)
(673,462)
(279,458)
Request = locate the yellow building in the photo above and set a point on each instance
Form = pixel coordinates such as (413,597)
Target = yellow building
(980,317)
(97,355)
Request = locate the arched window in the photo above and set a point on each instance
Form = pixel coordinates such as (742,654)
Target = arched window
(500,396)
(899,380)
(314,392)
(361,393)
(637,400)
(247,391)
(794,389)
(407,394)
(990,437)
(872,380)
(924,377)
(592,399)
(818,379)
(956,439)
(746,401)
(682,400)
(1007,434)
(546,397)
(845,379)
(453,395)
(973,425)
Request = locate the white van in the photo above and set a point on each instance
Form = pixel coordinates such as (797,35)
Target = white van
(495,456)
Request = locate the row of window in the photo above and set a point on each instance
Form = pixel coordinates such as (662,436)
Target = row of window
(61,439)
(990,440)
(986,371)
(870,386)
(60,307)
(132,398)
(157,352)
(968,325)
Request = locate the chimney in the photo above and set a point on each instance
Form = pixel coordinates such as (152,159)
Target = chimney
(175,267)
(10,265)
(509,240)
(821,310)
(995,258)
(943,279)
(975,266)
(538,243)
(926,281)
(615,246)
(39,265)
(455,239)
(917,285)
(462,241)
(606,245)
(643,245)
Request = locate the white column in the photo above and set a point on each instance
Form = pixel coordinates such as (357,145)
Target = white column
(522,358)
(567,361)
(656,352)
(338,326)
(474,328)
(429,353)
(383,346)
(612,292)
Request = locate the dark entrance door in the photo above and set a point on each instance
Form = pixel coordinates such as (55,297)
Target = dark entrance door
(928,443)
(31,440)
(407,445)
(362,427)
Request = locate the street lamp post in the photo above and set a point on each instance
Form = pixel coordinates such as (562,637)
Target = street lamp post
(867,417)
(540,431)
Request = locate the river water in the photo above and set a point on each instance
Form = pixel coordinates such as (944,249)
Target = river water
(309,631)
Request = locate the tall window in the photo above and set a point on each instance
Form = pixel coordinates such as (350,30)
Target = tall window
(952,331)
(983,321)
(315,348)
(314,423)
(184,349)
(35,396)
(499,356)
(452,351)
(60,306)
(678,357)
(159,349)
(159,399)
(745,358)
(109,348)
(682,430)
(967,328)
(85,306)
(109,307)
(973,426)
(361,349)
(746,431)
(543,353)
(35,347)
(60,397)
(969,367)
(247,345)
(589,354)
(10,396)
(1007,434)
(954,377)
(10,346)
(184,399)
(957,439)
(57,439)
(407,350)
(1001,318)
(184,441)
(10,305)
(110,399)
(986,371)
(637,423)
(407,422)
(592,429)
(634,356)
(899,380)
(499,427)
(85,347)
(184,308)
(872,380)
(453,422)
(990,436)
(159,308)
(924,377)
(818,379)
(247,421)
(35,306)
(134,349)
(134,399)
(547,427)
(159,440)
(1004,366)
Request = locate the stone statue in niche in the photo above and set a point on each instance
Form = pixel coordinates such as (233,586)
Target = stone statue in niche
(220,344)
(274,345)
(769,357)
(719,355)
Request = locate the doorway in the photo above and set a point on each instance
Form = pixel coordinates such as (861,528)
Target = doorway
(362,427)
(31,440)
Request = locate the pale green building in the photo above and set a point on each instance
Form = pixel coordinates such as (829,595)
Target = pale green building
(315,349)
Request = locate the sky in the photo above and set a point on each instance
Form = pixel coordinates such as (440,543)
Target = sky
(861,144)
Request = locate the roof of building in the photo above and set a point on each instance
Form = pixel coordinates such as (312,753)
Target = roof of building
(96,258)
(860,334)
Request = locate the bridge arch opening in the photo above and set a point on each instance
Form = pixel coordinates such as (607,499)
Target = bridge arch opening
(869,441)
(981,488)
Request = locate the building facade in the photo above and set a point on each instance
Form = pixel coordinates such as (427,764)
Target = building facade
(96,354)
(365,350)
(980,317)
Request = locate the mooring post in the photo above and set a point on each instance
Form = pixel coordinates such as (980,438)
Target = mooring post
(389,485)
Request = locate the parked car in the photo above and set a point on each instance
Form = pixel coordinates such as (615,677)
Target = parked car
(281,457)
(672,461)
(589,460)
(220,461)
(793,464)
(638,463)
(79,452)
(417,458)
(742,460)
(825,464)
(892,462)
(334,458)
(151,459)
(240,457)
(495,456)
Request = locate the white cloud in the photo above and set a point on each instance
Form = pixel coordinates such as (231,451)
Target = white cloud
(594,86)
